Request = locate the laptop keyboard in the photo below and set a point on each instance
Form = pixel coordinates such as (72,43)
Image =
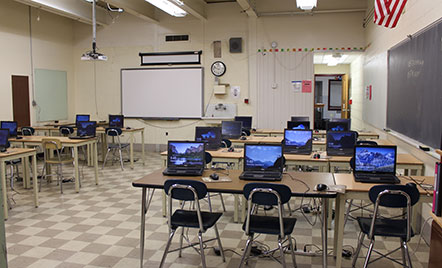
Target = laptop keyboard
(261,176)
(376,178)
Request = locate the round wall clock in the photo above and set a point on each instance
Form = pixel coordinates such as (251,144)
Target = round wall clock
(218,68)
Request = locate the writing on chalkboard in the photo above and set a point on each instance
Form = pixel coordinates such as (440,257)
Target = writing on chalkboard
(414,68)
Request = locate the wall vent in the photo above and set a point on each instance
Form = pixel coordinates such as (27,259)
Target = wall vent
(176,38)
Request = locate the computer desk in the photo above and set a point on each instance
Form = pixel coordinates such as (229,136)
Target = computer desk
(156,180)
(319,134)
(23,154)
(65,142)
(359,191)
(318,145)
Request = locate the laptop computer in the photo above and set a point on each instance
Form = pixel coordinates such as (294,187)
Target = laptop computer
(4,135)
(85,130)
(375,164)
(116,120)
(298,141)
(338,124)
(81,118)
(185,158)
(231,129)
(11,125)
(262,162)
(210,135)
(246,121)
(298,124)
(341,143)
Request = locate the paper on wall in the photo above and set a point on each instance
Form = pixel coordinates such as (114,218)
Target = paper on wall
(297,86)
(235,91)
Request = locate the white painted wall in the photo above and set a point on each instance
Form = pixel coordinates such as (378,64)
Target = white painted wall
(356,93)
(52,46)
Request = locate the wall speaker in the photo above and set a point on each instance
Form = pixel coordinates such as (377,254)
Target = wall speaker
(235,45)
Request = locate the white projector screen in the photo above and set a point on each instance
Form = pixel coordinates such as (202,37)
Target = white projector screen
(162,92)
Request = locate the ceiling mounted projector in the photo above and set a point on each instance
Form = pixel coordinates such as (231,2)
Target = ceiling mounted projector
(93,55)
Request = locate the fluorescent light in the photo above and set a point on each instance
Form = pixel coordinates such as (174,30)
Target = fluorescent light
(169,7)
(335,59)
(306,4)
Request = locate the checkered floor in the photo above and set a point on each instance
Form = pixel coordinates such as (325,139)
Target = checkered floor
(99,227)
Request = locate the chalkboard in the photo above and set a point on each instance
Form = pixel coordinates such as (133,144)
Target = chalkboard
(414,104)
(162,92)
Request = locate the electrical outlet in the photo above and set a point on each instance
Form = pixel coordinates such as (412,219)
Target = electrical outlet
(167,133)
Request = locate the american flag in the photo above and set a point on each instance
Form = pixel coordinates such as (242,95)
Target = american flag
(387,12)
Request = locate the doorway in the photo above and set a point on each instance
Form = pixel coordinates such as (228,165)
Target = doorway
(20,100)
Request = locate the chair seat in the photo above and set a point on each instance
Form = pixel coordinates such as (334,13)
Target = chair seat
(13,162)
(385,227)
(186,218)
(64,160)
(269,225)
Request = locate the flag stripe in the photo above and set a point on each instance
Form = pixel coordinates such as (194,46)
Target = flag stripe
(388,12)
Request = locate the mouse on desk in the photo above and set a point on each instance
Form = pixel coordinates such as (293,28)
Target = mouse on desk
(321,187)
(128,127)
(231,149)
(243,138)
(19,137)
(315,138)
(214,176)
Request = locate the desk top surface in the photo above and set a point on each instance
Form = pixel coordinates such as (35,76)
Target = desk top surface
(298,187)
(99,128)
(320,132)
(39,139)
(221,153)
(403,159)
(353,186)
(16,151)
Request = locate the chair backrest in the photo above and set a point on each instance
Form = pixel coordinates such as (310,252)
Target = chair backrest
(208,158)
(113,131)
(51,144)
(27,131)
(66,130)
(245,132)
(225,143)
(366,143)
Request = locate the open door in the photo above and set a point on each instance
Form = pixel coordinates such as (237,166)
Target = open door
(345,108)
(20,100)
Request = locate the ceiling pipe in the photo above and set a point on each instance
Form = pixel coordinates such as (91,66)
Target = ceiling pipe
(291,13)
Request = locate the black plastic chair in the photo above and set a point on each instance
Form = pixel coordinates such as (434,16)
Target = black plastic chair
(225,143)
(208,159)
(245,132)
(115,145)
(66,130)
(390,196)
(189,190)
(366,143)
(268,194)
(27,131)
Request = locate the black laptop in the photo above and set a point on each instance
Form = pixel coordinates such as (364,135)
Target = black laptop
(298,141)
(185,158)
(210,135)
(262,162)
(341,143)
(11,125)
(4,135)
(116,120)
(298,124)
(85,130)
(375,164)
(231,129)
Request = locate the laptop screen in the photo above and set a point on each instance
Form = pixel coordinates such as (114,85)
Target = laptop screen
(11,125)
(298,124)
(262,157)
(81,118)
(210,135)
(338,125)
(341,142)
(231,129)
(116,121)
(246,121)
(185,154)
(4,134)
(86,128)
(298,141)
(375,159)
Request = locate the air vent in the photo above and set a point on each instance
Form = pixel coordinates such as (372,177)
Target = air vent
(176,38)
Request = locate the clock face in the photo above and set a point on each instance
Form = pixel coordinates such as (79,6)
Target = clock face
(218,68)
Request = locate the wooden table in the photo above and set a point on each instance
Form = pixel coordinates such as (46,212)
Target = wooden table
(316,133)
(23,154)
(220,155)
(302,184)
(293,160)
(65,142)
(358,190)
(318,145)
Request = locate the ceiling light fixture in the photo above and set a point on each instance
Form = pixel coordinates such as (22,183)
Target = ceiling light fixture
(334,59)
(170,7)
(93,54)
(306,4)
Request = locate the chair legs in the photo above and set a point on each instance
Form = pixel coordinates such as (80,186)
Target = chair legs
(105,158)
(166,250)
(219,243)
(407,254)
(358,249)
(370,250)
(292,251)
(246,251)
(203,258)
(281,249)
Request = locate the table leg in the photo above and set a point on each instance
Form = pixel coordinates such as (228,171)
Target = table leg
(142,146)
(339,228)
(25,168)
(235,207)
(243,208)
(103,146)
(131,145)
(164,204)
(77,170)
(35,179)
(143,225)
(4,190)
(324,231)
(95,157)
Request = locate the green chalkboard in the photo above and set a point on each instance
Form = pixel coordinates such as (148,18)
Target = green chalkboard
(51,95)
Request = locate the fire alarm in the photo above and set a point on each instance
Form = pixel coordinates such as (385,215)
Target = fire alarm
(246,101)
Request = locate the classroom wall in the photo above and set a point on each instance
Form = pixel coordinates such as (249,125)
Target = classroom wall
(52,46)
(121,41)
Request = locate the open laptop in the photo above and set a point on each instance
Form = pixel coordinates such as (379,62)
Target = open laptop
(81,118)
(116,120)
(185,158)
(298,124)
(262,162)
(341,143)
(4,135)
(246,121)
(338,124)
(210,135)
(11,125)
(298,141)
(375,164)
(85,130)
(231,129)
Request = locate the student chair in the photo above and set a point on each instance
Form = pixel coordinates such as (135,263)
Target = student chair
(190,190)
(245,132)
(402,197)
(268,194)
(27,131)
(226,143)
(66,130)
(208,158)
(366,143)
(115,145)
(51,147)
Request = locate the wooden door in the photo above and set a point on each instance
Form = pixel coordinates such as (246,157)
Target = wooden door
(345,108)
(20,100)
